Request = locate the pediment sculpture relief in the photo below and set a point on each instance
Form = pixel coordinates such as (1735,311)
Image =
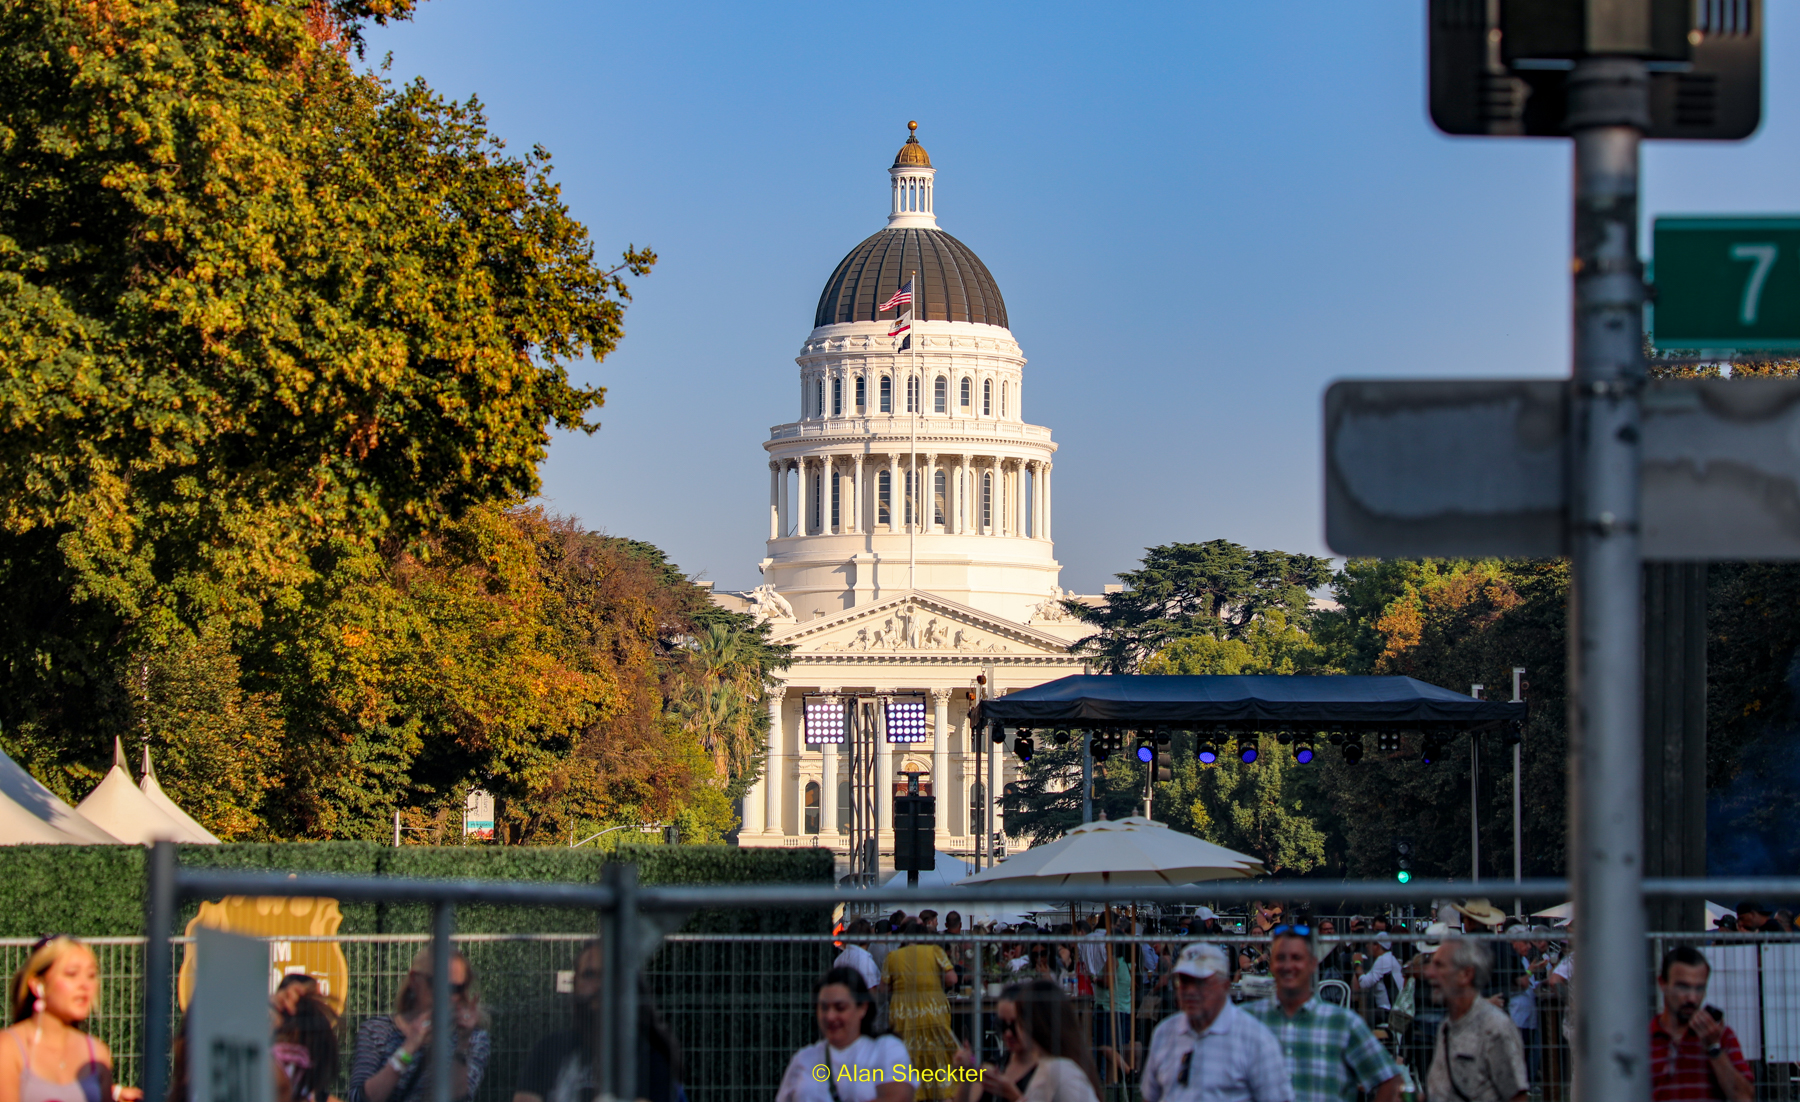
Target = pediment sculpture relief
(913,629)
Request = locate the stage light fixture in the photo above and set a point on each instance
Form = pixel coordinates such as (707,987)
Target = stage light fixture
(1303,753)
(1061,737)
(823,718)
(1022,746)
(906,719)
(999,734)
(1353,752)
(1208,753)
(1247,750)
(1146,753)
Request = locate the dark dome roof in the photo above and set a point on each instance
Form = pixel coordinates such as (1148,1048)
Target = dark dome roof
(954,285)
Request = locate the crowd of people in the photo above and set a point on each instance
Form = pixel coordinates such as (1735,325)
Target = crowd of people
(887,1032)
(1431,1009)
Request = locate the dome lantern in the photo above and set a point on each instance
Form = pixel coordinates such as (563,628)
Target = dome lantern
(911,176)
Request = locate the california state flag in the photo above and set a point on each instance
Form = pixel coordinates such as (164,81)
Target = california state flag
(901,326)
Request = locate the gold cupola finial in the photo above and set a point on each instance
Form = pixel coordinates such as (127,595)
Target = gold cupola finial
(912,154)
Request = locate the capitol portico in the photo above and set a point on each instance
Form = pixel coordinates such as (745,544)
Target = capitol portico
(910,520)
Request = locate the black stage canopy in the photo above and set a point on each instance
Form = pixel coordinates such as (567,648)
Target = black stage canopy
(1259,702)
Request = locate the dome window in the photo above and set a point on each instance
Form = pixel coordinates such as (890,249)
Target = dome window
(940,395)
(837,397)
(862,396)
(1005,393)
(968,392)
(987,502)
(819,399)
(912,394)
(987,397)
(884,497)
(887,394)
(938,497)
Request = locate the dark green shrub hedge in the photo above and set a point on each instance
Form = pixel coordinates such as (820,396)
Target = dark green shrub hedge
(98,891)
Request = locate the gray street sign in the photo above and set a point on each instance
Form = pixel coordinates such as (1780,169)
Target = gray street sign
(1479,468)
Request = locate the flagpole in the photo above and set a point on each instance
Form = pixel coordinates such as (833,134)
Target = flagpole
(912,531)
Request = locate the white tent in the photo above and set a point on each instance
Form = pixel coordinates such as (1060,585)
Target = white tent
(32,814)
(1131,852)
(117,807)
(154,793)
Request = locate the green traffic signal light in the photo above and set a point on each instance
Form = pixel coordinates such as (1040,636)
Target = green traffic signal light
(1403,876)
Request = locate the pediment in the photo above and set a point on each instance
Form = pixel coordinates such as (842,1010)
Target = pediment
(918,623)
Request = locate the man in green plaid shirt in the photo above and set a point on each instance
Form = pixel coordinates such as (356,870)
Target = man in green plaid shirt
(1330,1050)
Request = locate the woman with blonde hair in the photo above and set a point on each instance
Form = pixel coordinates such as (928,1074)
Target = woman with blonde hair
(393,1051)
(49,1057)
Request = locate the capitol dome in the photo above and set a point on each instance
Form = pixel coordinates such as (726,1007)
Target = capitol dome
(953,283)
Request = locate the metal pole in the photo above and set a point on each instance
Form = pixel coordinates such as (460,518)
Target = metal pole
(1087,776)
(1609,111)
(1518,823)
(1475,691)
(991,796)
(620,1011)
(159,925)
(443,1033)
(975,1008)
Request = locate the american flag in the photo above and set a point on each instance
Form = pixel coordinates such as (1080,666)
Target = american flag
(901,297)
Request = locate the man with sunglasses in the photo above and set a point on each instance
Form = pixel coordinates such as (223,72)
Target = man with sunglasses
(1330,1050)
(1211,1051)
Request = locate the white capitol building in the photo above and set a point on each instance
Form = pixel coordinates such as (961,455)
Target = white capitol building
(879,587)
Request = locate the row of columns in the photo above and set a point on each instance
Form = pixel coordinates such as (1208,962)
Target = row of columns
(819,399)
(764,803)
(1009,512)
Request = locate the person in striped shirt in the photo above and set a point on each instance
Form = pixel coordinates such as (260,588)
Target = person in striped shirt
(1694,1057)
(1331,1052)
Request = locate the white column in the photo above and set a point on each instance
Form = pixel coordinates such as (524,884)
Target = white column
(801,494)
(828,793)
(894,493)
(755,803)
(1047,467)
(856,495)
(774,764)
(828,483)
(1019,498)
(774,500)
(940,758)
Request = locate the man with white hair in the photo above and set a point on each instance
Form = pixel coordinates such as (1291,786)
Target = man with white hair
(1211,1051)
(1477,1057)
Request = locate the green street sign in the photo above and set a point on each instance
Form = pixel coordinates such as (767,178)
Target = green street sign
(1727,283)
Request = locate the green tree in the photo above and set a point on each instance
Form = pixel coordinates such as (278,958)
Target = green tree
(1218,589)
(260,316)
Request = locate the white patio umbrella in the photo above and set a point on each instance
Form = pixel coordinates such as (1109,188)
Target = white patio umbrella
(1561,912)
(949,872)
(1127,853)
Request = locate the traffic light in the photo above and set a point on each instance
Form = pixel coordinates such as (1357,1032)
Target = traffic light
(1403,854)
(1165,765)
(915,833)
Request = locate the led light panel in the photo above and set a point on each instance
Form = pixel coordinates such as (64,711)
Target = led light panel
(906,721)
(824,721)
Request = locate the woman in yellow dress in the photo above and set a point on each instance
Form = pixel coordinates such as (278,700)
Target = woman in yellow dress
(916,976)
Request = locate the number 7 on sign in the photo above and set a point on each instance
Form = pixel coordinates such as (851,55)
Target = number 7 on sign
(1764,255)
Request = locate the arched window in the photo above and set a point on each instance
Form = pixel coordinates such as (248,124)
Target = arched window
(887,394)
(968,391)
(837,397)
(819,399)
(987,499)
(862,395)
(909,497)
(987,397)
(812,807)
(938,497)
(977,808)
(940,395)
(884,499)
(818,486)
(1005,393)
(834,500)
(912,394)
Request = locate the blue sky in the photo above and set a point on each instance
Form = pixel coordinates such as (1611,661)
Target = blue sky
(1199,215)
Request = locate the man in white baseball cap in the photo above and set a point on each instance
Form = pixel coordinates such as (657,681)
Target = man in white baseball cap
(1211,1051)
